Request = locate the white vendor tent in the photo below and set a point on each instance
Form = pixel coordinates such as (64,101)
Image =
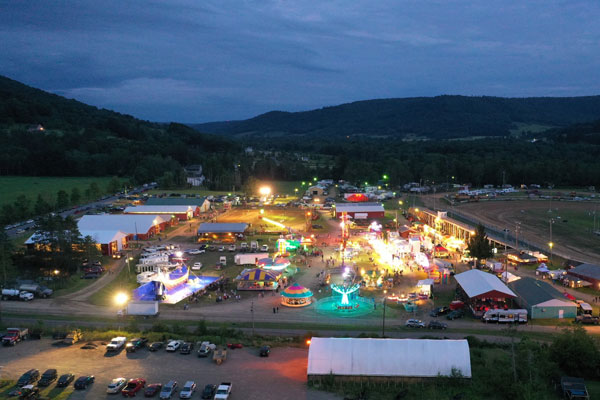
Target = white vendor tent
(351,358)
(479,284)
(509,277)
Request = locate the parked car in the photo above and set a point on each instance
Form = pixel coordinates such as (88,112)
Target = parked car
(221,248)
(187,390)
(168,390)
(65,380)
(152,389)
(133,386)
(414,323)
(231,247)
(48,377)
(28,377)
(186,348)
(174,345)
(116,385)
(455,314)
(155,346)
(264,247)
(195,251)
(205,349)
(235,345)
(439,311)
(264,351)
(25,393)
(135,343)
(197,266)
(209,391)
(211,247)
(84,381)
(437,325)
(202,247)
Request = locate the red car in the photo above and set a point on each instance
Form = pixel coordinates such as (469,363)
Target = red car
(152,389)
(133,386)
(234,345)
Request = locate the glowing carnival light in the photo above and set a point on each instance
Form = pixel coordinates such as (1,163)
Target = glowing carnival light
(345,291)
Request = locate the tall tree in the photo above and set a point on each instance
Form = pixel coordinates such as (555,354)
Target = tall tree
(22,207)
(62,199)
(94,190)
(75,196)
(41,206)
(6,249)
(479,247)
(114,185)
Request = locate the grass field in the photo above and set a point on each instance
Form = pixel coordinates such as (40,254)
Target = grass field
(30,186)
(277,187)
(52,392)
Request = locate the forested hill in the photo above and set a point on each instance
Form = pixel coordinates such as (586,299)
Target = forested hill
(81,140)
(421,117)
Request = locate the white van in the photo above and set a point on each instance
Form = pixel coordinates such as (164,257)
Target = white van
(505,316)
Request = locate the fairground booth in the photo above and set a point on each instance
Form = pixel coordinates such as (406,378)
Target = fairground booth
(296,296)
(483,291)
(258,279)
(221,232)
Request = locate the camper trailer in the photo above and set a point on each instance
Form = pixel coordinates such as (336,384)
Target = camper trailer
(505,316)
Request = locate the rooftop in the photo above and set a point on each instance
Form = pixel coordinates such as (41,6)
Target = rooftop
(477,283)
(587,270)
(535,292)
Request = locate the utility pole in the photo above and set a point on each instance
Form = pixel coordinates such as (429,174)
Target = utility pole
(383,323)
(252,312)
(517,229)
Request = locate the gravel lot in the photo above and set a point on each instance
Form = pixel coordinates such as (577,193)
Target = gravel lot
(281,376)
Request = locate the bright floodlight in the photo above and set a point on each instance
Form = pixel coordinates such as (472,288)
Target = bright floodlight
(178,254)
(121,298)
(264,191)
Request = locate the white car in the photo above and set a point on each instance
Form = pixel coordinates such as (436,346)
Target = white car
(264,247)
(232,247)
(197,266)
(187,390)
(116,385)
(173,345)
(244,246)
(196,251)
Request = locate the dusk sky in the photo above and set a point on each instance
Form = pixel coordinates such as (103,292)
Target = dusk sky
(204,60)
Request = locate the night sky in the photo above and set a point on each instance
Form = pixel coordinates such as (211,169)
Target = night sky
(204,60)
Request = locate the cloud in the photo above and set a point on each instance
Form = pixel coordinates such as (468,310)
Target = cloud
(228,59)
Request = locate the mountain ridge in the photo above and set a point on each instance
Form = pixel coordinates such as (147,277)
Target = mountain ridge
(439,117)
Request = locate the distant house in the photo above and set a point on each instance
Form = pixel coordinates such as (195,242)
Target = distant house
(315,191)
(194,175)
(587,272)
(35,128)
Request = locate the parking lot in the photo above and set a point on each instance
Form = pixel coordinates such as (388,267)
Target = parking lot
(281,376)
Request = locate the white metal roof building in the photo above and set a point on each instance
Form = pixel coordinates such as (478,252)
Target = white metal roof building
(182,212)
(106,237)
(351,358)
(360,210)
(130,224)
(479,284)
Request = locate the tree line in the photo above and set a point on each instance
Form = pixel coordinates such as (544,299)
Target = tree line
(24,207)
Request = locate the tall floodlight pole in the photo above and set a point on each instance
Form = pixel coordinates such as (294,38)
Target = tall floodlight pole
(383,322)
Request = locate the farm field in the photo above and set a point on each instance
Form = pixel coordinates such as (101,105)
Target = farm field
(31,186)
(572,230)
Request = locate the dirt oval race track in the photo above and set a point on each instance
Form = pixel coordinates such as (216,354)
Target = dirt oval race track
(572,224)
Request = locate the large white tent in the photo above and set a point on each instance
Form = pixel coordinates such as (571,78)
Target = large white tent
(391,358)
(479,284)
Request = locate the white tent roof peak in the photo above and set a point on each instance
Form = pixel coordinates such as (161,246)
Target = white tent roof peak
(373,357)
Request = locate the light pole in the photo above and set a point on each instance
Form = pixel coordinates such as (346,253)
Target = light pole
(120,299)
(383,322)
(252,312)
(551,245)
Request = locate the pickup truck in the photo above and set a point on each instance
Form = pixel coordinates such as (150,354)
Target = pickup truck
(116,344)
(587,319)
(14,294)
(223,391)
(135,343)
(14,336)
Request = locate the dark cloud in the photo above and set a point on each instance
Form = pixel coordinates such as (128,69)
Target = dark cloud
(196,61)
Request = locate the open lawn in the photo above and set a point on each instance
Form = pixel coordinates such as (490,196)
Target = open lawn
(124,282)
(31,186)
(293,218)
(277,187)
